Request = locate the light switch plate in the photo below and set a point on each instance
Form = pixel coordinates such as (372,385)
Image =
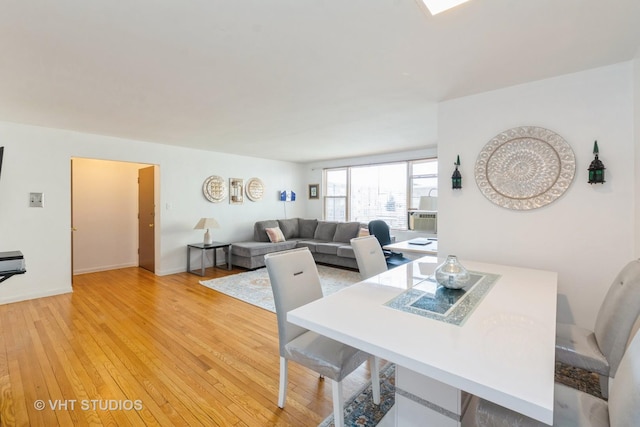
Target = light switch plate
(36,200)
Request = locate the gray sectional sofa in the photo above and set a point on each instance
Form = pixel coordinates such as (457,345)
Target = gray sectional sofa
(328,242)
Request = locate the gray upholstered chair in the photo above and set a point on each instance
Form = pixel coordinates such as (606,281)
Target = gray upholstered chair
(369,256)
(295,282)
(600,350)
(576,408)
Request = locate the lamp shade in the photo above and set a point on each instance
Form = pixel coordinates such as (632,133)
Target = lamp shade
(206,223)
(428,203)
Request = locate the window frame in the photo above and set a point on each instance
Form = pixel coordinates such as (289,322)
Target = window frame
(347,197)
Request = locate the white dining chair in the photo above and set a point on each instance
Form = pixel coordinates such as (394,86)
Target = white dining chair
(295,282)
(575,408)
(369,256)
(601,350)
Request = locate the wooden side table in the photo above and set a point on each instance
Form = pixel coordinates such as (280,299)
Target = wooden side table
(214,246)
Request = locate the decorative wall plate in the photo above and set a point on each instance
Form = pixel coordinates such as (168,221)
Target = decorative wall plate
(236,191)
(214,189)
(255,189)
(525,168)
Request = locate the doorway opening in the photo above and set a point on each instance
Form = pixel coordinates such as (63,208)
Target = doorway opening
(113,216)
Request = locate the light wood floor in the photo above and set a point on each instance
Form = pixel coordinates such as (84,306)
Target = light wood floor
(131,348)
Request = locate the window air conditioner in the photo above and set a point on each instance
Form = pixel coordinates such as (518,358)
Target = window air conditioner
(423,221)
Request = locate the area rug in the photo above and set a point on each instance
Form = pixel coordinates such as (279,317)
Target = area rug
(254,286)
(360,411)
(579,379)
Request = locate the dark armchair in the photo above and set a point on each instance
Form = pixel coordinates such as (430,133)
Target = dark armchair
(380,230)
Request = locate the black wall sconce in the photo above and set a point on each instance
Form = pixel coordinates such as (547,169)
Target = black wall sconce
(456,178)
(596,168)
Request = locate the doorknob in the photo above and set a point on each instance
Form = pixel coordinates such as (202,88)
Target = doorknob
(150,225)
(74,229)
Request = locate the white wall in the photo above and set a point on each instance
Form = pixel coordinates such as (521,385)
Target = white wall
(105,215)
(39,160)
(586,235)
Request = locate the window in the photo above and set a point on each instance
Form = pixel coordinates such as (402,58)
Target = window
(335,201)
(423,181)
(379,192)
(382,191)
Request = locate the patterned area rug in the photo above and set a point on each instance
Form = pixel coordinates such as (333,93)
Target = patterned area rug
(254,286)
(579,379)
(360,410)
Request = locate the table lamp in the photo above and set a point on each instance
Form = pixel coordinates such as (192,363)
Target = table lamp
(206,224)
(428,203)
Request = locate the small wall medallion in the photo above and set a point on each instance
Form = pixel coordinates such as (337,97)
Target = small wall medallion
(255,189)
(214,189)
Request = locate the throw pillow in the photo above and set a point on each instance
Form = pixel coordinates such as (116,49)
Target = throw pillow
(275,234)
(259,233)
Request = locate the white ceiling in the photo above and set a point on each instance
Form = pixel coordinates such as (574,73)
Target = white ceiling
(299,80)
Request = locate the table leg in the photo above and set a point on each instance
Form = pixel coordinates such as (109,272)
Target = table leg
(202,259)
(215,257)
(188,259)
(229,257)
(421,400)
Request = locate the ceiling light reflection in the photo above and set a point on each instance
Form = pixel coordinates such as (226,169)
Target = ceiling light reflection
(437,6)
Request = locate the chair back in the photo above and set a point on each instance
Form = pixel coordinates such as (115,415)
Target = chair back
(624,396)
(617,315)
(380,229)
(369,256)
(294,282)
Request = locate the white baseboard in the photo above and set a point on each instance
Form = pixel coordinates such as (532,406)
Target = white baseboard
(103,268)
(35,295)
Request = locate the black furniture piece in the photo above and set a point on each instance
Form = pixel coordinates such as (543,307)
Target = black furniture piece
(4,275)
(380,230)
(11,263)
(204,248)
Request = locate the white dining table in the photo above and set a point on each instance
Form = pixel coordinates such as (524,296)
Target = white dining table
(495,340)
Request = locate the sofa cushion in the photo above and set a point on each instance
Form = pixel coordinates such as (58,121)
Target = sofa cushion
(275,234)
(325,231)
(345,231)
(307,244)
(330,248)
(259,234)
(307,228)
(252,249)
(289,227)
(346,252)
